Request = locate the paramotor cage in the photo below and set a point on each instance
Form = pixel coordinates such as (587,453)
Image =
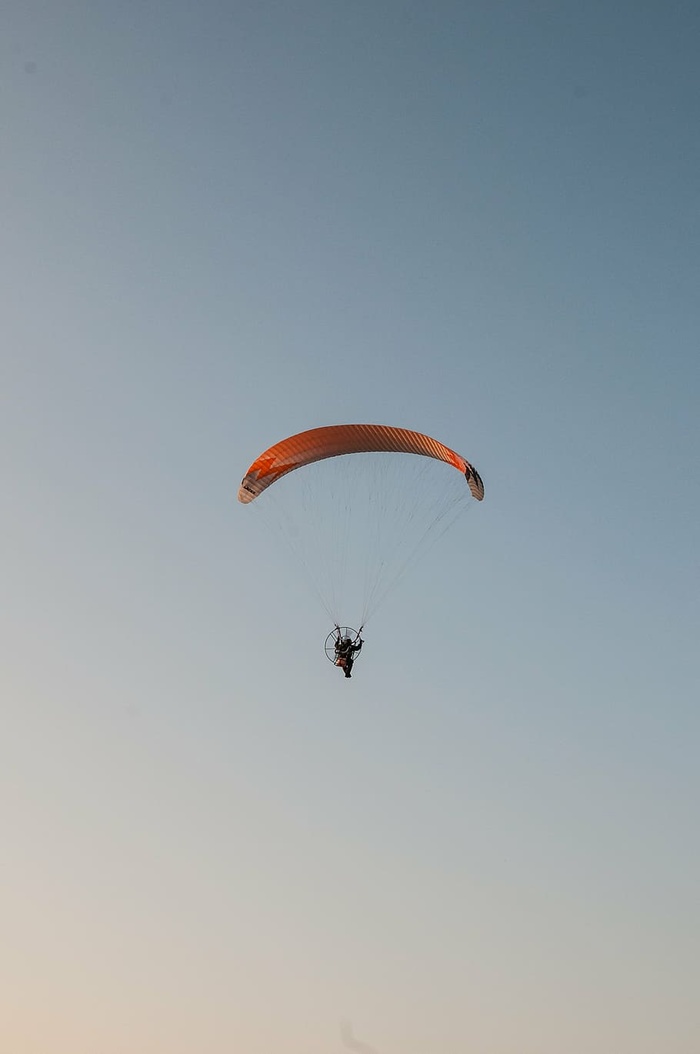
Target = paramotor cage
(336,635)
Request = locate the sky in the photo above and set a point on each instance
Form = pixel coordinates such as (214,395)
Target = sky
(223,223)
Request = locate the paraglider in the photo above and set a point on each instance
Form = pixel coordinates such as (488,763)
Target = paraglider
(360,513)
(334,440)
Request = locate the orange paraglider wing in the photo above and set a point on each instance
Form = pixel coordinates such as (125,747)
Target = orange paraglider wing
(334,440)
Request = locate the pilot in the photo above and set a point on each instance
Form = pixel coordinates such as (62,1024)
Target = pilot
(345,653)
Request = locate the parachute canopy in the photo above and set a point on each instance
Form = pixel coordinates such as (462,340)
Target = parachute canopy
(355,523)
(333,440)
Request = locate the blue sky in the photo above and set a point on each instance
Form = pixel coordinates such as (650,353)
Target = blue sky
(224,223)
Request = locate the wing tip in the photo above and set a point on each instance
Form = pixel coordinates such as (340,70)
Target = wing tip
(247,491)
(476,483)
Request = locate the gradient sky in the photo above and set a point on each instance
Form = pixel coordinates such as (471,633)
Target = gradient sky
(226,222)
